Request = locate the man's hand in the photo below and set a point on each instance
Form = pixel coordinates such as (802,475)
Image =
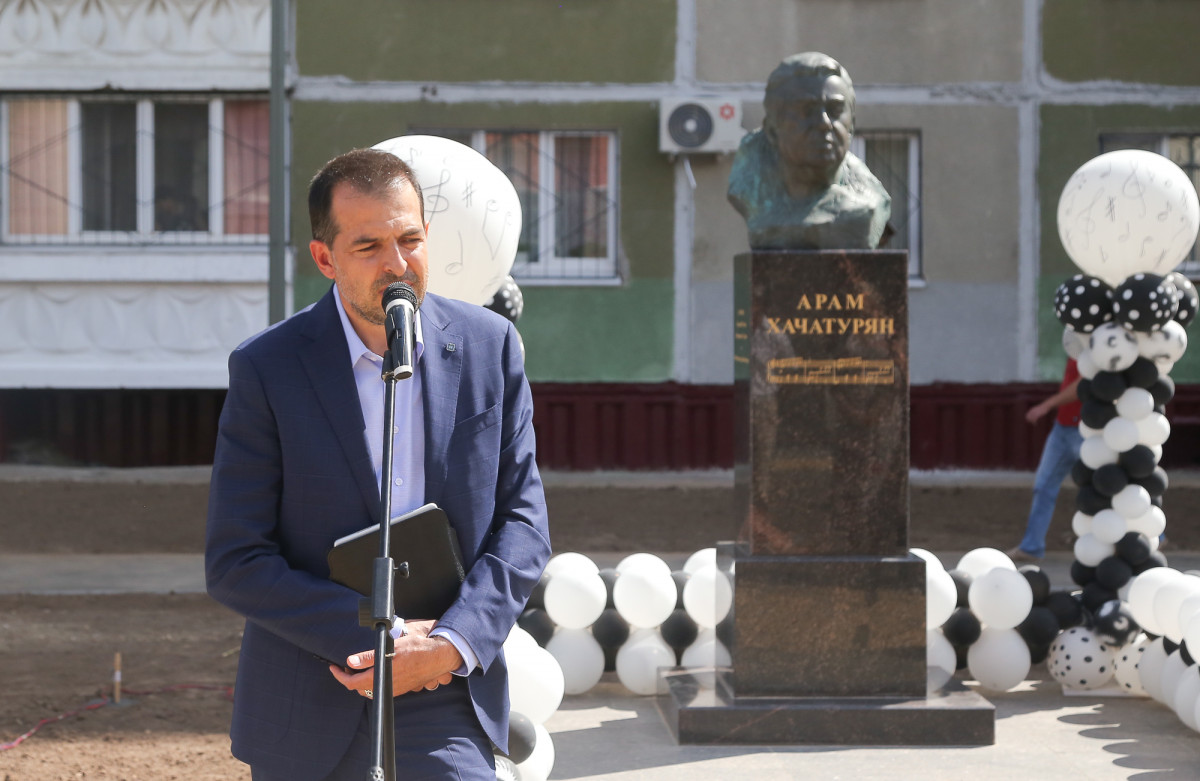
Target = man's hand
(1037,411)
(420,662)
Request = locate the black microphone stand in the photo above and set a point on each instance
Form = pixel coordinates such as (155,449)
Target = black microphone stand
(379,610)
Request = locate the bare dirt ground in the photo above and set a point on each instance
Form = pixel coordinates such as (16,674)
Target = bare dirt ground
(179,652)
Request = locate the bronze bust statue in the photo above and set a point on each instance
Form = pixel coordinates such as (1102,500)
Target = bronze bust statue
(795,181)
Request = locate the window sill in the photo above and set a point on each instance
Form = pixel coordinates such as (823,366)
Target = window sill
(141,264)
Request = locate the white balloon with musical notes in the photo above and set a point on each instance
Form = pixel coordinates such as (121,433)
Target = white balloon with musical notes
(1127,212)
(473,212)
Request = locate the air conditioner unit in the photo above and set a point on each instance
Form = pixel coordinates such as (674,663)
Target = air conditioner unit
(699,125)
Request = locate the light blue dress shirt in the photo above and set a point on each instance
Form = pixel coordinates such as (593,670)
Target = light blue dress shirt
(408,452)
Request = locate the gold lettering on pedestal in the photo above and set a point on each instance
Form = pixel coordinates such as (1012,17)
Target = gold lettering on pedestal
(833,371)
(832,326)
(830,301)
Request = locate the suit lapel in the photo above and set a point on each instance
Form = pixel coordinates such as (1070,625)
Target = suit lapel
(441,373)
(327,362)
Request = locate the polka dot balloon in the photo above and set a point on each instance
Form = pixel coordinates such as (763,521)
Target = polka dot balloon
(1078,660)
(1083,303)
(1144,302)
(1186,295)
(507,300)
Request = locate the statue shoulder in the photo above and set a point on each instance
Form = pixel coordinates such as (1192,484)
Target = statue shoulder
(858,177)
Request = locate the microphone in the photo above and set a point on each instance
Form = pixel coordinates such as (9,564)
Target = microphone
(399,309)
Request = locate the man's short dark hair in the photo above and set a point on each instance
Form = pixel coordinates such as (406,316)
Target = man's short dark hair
(369,171)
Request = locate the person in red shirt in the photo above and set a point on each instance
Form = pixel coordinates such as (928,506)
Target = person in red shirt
(1059,454)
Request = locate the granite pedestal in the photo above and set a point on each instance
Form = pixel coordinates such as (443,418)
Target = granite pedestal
(828,618)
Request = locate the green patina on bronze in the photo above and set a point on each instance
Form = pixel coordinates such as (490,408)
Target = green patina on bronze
(795,181)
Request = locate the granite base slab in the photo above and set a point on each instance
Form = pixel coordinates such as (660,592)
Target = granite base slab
(699,713)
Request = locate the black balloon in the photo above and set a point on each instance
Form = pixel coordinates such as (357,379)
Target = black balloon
(1114,624)
(1163,390)
(725,631)
(1156,559)
(1113,573)
(1083,302)
(538,623)
(609,576)
(1081,474)
(1038,654)
(1039,583)
(960,656)
(1097,414)
(610,630)
(1170,646)
(1142,373)
(1185,654)
(522,737)
(1066,609)
(1039,628)
(962,583)
(1138,461)
(962,627)
(679,631)
(507,300)
(1109,479)
(1083,390)
(1155,483)
(1134,547)
(1081,574)
(1094,595)
(1108,386)
(1144,302)
(1186,296)
(1089,501)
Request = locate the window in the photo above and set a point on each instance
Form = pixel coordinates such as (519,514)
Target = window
(1183,149)
(566,182)
(895,159)
(92,169)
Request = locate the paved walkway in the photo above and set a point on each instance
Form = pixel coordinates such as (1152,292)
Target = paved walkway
(610,734)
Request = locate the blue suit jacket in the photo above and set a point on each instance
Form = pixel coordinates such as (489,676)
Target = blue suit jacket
(292,473)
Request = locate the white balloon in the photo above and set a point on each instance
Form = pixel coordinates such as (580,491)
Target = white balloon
(645,595)
(1172,672)
(1073,342)
(1095,453)
(569,561)
(1113,347)
(535,683)
(1001,598)
(1154,429)
(473,212)
(1132,501)
(1168,599)
(999,659)
(1081,524)
(706,651)
(540,763)
(707,596)
(1091,551)
(1151,523)
(940,659)
(941,596)
(517,640)
(1150,668)
(575,599)
(930,559)
(1086,365)
(580,657)
(643,560)
(1189,620)
(1087,432)
(1109,526)
(1080,660)
(1125,665)
(1135,404)
(1186,693)
(1120,434)
(699,559)
(1102,221)
(506,769)
(1142,591)
(1165,346)
(982,560)
(640,658)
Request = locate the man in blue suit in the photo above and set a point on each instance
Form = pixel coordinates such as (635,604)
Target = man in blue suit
(298,464)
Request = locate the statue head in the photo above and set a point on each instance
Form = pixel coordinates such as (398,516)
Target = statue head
(809,119)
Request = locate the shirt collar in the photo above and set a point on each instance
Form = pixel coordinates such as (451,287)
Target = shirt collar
(355,343)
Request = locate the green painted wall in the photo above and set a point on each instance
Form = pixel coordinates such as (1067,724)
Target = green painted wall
(619,41)
(571,334)
(1143,41)
(1070,136)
